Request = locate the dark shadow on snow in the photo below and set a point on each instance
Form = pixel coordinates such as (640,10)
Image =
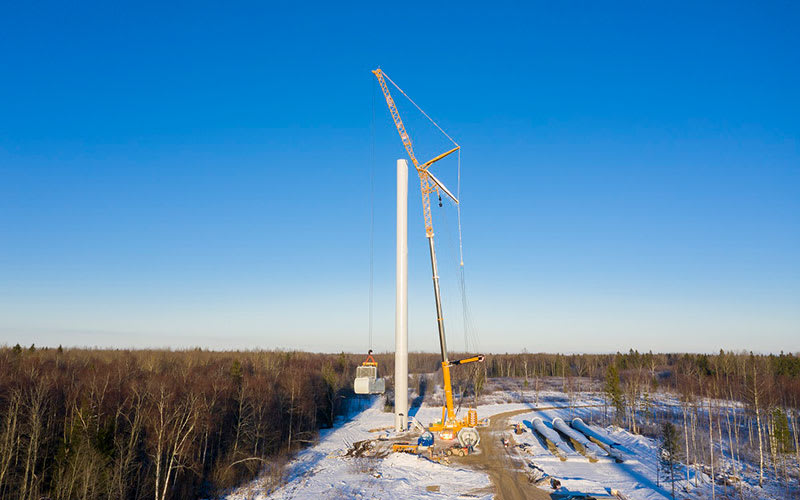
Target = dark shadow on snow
(535,433)
(416,403)
(353,406)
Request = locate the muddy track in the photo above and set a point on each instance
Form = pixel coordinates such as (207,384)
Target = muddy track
(507,475)
(506,469)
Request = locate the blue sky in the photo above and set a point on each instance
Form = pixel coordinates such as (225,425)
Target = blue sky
(193,174)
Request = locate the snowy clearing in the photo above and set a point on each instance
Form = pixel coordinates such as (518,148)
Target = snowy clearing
(628,468)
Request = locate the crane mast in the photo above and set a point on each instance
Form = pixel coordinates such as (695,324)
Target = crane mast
(429,184)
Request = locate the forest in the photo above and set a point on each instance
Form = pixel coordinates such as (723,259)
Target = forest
(723,415)
(119,424)
(108,424)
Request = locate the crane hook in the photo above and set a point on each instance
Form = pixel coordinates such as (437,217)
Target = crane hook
(440,200)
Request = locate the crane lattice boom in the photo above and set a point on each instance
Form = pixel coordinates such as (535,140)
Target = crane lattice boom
(427,184)
(449,424)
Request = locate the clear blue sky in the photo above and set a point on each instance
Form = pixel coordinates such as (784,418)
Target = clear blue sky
(181,175)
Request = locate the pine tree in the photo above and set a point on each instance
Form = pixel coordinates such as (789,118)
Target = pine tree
(614,391)
(670,453)
(783,438)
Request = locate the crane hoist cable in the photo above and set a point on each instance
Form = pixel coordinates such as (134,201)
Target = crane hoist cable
(371,221)
(470,337)
(367,380)
(458,210)
(469,330)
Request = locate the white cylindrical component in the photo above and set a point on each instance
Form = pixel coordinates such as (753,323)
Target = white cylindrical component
(592,450)
(611,446)
(551,435)
(401,302)
(580,425)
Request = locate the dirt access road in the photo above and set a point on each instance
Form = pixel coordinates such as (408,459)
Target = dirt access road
(505,469)
(507,474)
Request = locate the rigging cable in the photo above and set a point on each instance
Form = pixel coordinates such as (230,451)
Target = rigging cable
(461,260)
(420,109)
(468,326)
(371,217)
(470,332)
(470,335)
(458,209)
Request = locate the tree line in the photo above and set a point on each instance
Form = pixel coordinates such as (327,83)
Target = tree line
(723,413)
(149,424)
(115,424)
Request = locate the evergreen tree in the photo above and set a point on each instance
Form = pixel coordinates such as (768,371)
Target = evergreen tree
(613,390)
(783,438)
(669,453)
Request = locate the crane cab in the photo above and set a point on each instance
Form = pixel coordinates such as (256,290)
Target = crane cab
(367,381)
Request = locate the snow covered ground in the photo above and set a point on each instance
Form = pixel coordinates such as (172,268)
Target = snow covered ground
(635,477)
(326,471)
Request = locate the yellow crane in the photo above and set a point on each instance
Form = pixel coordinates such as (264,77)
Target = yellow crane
(450,426)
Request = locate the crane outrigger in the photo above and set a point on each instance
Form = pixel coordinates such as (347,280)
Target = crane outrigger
(450,426)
